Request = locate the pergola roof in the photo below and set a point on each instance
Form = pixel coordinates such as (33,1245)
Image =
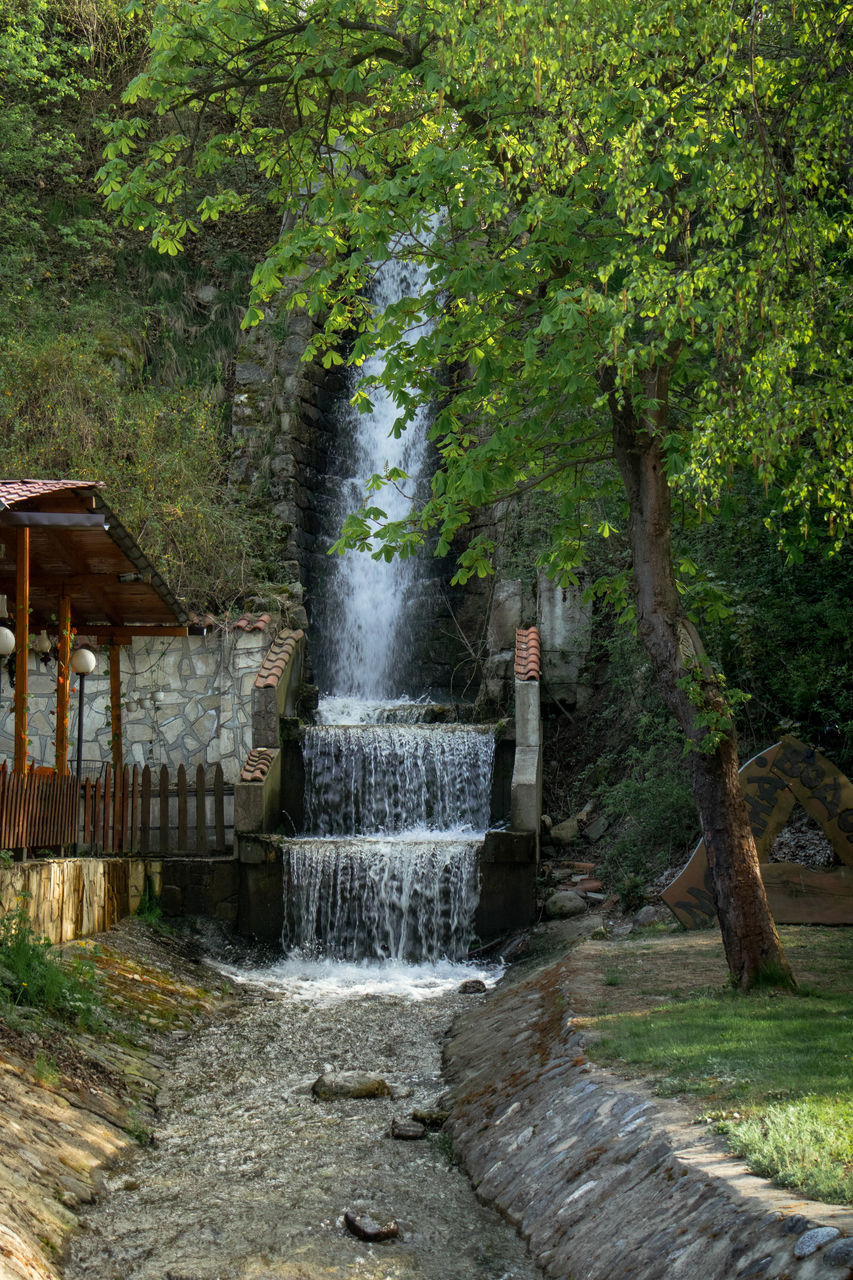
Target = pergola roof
(80,549)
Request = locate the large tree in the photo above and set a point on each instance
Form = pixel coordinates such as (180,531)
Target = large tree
(635,218)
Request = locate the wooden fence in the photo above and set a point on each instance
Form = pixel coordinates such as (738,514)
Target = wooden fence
(38,811)
(144,811)
(128,811)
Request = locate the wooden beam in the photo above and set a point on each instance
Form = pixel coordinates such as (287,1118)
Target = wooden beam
(22,647)
(62,683)
(47,520)
(115,705)
(124,635)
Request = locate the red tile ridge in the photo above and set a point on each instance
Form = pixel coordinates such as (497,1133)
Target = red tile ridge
(257,764)
(277,658)
(527,653)
(252,622)
(12,491)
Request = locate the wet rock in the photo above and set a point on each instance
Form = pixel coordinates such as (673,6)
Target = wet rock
(813,1240)
(839,1254)
(350,1084)
(564,905)
(433,1118)
(367,1228)
(471,987)
(407,1130)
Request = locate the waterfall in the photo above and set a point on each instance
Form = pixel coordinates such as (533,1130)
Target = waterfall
(395,804)
(382,898)
(382,778)
(368,611)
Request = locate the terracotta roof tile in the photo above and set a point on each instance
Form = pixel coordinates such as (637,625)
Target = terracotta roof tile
(13,491)
(257,764)
(246,621)
(252,622)
(277,657)
(527,654)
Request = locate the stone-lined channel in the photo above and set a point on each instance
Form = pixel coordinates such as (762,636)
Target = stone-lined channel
(249,1175)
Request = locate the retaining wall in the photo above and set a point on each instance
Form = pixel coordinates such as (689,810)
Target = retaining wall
(67,898)
(604,1180)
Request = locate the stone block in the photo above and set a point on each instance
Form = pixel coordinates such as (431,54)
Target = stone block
(504,615)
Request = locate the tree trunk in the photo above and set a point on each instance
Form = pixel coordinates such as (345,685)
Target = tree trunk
(692,691)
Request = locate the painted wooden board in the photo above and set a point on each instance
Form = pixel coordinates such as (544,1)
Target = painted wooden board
(773,782)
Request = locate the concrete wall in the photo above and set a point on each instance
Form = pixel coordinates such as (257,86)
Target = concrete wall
(67,898)
(185,701)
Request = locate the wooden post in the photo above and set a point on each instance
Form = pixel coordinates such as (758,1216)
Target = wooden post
(62,683)
(22,647)
(219,808)
(115,704)
(164,810)
(145,825)
(182,810)
(200,811)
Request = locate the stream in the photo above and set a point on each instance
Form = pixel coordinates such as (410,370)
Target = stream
(249,1175)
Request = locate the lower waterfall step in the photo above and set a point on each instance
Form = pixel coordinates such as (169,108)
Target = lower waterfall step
(381,897)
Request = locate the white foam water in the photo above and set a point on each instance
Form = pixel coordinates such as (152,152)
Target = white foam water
(329,981)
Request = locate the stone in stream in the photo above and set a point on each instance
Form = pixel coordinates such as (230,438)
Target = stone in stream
(407,1130)
(367,1228)
(471,986)
(350,1084)
(433,1118)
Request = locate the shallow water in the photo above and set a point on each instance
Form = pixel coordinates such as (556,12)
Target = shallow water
(249,1175)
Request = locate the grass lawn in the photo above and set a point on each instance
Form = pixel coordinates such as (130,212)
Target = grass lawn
(774,1072)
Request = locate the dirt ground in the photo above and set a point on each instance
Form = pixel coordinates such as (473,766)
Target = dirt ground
(649,969)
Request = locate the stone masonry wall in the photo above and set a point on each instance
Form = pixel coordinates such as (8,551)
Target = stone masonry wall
(281,421)
(185,701)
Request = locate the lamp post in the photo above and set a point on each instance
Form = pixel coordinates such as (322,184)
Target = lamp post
(7,646)
(83,662)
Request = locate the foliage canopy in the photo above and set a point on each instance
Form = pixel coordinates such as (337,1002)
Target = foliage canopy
(619,203)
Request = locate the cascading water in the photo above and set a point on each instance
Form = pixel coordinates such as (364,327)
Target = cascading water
(369,611)
(395,806)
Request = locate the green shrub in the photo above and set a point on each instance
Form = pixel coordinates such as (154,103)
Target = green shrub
(32,975)
(73,405)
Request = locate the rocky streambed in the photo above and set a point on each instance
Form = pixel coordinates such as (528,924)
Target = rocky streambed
(249,1174)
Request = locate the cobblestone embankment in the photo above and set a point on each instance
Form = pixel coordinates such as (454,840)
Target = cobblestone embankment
(605,1181)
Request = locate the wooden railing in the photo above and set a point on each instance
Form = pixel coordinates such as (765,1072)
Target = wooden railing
(129,811)
(142,811)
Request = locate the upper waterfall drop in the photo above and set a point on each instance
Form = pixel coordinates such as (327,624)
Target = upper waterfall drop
(367,610)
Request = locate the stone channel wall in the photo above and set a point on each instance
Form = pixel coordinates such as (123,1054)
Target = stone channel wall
(186,700)
(602,1179)
(68,898)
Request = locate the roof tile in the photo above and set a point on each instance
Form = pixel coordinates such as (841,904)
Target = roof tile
(527,654)
(252,622)
(13,491)
(258,763)
(277,657)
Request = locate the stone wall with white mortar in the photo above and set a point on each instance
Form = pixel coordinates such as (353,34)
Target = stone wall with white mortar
(186,700)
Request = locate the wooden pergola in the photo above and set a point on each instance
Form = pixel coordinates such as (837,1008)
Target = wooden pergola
(67,564)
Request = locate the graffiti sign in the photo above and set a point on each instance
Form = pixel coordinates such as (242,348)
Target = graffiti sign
(773,782)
